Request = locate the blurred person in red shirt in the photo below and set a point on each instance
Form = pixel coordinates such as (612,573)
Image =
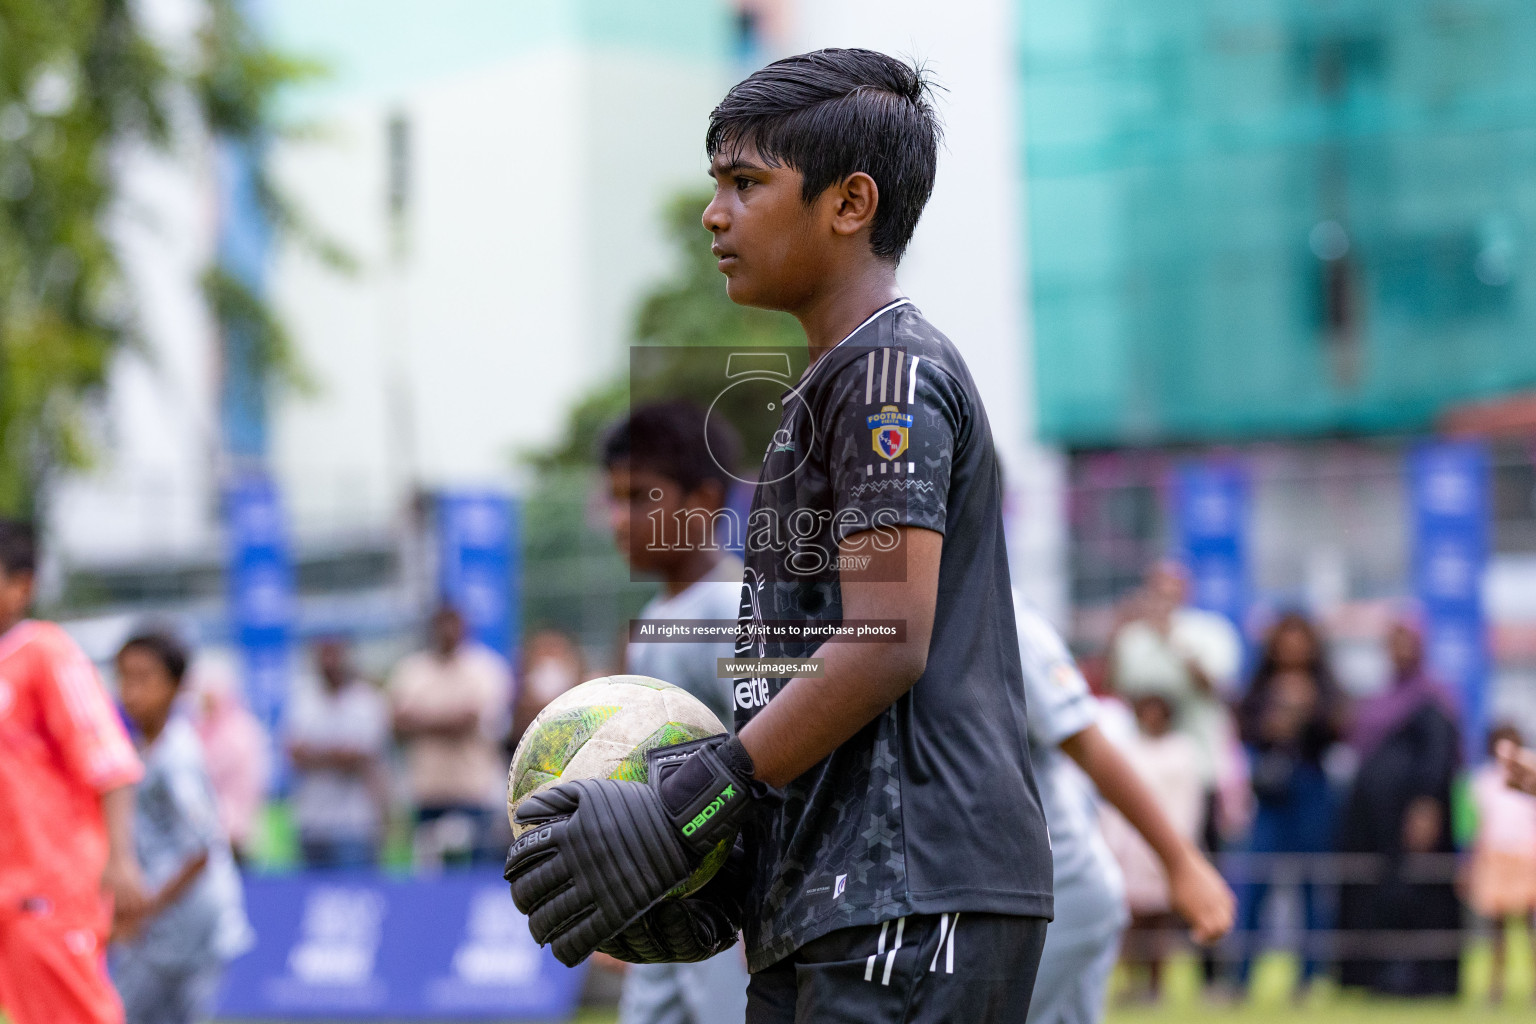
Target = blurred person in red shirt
(67,771)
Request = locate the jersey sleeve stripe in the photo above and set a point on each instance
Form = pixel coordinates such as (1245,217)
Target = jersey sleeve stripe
(912,381)
(869,379)
(901,354)
(885,367)
(67,679)
(110,753)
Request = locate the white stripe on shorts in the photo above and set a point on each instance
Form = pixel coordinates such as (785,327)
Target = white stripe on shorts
(869,968)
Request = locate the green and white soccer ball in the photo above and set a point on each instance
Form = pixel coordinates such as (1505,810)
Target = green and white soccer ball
(601,730)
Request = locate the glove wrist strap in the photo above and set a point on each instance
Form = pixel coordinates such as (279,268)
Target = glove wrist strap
(706,787)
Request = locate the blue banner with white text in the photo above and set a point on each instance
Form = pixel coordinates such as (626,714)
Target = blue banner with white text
(1448,488)
(261,592)
(477,551)
(1211,512)
(362,946)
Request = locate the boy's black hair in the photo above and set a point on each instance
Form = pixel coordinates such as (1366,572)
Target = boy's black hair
(169,650)
(676,439)
(832,113)
(18,546)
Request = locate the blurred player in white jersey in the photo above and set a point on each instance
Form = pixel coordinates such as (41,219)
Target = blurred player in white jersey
(656,465)
(1083,942)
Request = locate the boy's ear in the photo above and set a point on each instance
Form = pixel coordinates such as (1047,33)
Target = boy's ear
(854,201)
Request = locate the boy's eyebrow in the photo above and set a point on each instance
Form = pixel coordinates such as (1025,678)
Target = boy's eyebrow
(734,165)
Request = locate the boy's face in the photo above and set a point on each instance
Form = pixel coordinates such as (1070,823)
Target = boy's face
(773,247)
(144,686)
(15,594)
(643,513)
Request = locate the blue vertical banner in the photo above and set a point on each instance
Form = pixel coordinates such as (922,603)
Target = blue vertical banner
(477,561)
(261,592)
(1448,490)
(1210,504)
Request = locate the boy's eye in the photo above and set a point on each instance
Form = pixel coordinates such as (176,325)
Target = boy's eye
(742,184)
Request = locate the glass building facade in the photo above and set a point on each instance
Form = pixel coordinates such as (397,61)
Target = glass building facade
(1260,218)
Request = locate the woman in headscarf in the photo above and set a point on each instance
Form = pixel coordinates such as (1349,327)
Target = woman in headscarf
(1408,745)
(235,747)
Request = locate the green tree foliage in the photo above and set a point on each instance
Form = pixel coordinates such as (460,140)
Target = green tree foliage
(79,80)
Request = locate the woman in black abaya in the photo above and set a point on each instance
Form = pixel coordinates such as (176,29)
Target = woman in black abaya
(1408,744)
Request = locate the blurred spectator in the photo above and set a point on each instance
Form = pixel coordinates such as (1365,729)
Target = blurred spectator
(1169,763)
(1407,742)
(1189,656)
(338,734)
(450,707)
(236,748)
(1192,658)
(1501,880)
(551,664)
(170,962)
(1289,718)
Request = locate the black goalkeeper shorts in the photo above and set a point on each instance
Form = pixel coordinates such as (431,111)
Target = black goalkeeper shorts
(962,968)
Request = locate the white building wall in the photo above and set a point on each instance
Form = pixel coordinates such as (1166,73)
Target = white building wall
(967,267)
(533,230)
(149,492)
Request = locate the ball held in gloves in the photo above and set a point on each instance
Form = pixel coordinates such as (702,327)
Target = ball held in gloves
(602,729)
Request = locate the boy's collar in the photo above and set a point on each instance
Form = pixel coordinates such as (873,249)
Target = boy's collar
(877,314)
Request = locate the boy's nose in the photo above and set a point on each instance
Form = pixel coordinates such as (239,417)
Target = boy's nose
(714,218)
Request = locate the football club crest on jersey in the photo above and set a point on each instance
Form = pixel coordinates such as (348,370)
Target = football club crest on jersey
(888,431)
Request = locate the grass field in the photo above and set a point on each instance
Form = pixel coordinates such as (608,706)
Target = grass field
(1271,1003)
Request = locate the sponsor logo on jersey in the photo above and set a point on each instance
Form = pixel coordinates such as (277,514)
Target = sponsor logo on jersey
(838,885)
(752,693)
(888,431)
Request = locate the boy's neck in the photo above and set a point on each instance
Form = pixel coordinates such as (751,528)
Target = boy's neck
(690,568)
(831,315)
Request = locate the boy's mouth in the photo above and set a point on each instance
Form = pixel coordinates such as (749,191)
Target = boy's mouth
(723,257)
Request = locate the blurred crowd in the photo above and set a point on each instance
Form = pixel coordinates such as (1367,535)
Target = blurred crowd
(1357,815)
(1359,810)
(418,755)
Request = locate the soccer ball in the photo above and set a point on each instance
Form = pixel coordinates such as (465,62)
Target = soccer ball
(601,730)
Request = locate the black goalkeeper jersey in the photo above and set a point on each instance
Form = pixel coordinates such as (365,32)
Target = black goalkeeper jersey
(932,807)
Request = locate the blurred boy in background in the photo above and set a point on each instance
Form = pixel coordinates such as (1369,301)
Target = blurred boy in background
(67,772)
(1075,764)
(657,463)
(169,966)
